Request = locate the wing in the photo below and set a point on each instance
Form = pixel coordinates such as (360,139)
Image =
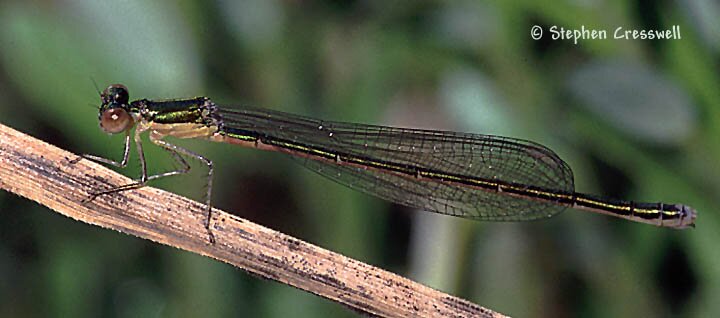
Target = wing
(489,157)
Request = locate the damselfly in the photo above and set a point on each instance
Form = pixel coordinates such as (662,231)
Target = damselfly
(473,176)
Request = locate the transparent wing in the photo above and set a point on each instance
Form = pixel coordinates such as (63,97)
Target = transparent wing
(488,157)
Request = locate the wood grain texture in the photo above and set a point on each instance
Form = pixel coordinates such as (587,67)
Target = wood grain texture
(44,173)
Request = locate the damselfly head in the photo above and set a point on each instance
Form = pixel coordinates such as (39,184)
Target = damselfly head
(114,117)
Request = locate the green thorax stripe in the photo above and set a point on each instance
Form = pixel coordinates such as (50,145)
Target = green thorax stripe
(173,111)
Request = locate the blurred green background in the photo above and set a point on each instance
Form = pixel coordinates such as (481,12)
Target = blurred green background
(635,119)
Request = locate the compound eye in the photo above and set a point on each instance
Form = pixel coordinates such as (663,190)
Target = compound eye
(115,120)
(115,93)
